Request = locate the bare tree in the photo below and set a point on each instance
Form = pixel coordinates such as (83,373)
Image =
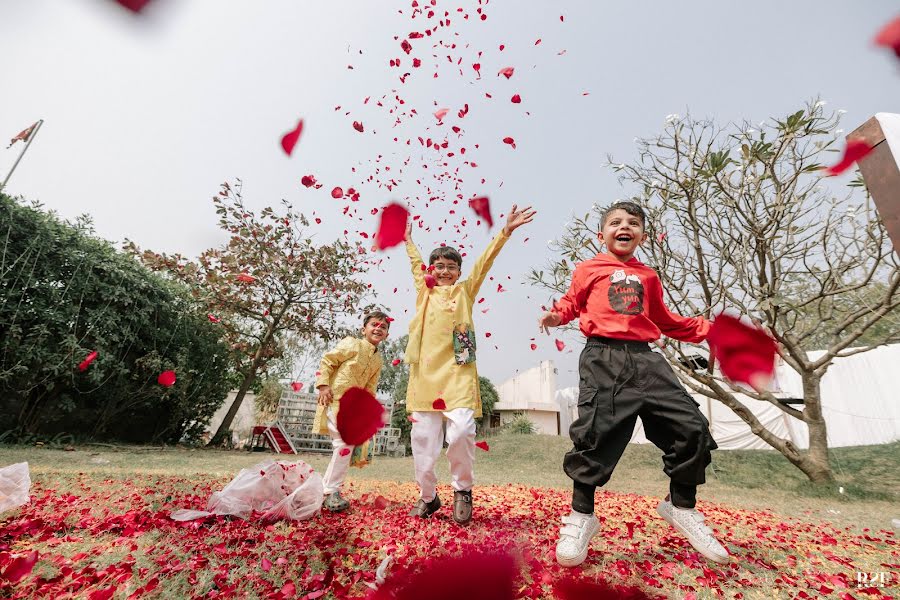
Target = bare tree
(740,218)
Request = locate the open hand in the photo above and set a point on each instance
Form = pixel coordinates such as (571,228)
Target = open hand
(548,320)
(516,218)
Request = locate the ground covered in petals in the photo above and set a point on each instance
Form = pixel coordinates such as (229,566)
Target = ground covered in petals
(112,537)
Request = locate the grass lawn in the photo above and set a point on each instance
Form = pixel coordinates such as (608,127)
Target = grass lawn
(99,522)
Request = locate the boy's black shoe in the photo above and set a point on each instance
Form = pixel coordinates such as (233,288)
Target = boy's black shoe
(462,507)
(423,509)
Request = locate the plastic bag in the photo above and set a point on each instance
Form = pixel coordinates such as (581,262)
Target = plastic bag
(271,490)
(14,484)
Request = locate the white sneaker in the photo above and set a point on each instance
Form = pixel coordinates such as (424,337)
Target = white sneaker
(692,524)
(575,537)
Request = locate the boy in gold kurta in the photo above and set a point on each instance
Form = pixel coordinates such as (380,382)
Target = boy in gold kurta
(353,362)
(443,380)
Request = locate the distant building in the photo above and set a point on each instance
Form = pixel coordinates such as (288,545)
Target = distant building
(532,393)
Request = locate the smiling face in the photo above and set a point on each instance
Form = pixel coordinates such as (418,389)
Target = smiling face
(446,271)
(376,329)
(622,233)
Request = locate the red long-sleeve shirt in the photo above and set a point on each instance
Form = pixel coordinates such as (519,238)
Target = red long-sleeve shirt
(624,301)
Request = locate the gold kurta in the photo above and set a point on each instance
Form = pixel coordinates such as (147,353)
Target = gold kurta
(352,363)
(444,316)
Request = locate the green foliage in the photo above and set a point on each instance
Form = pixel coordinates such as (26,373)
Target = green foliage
(489,397)
(65,293)
(520,425)
(392,349)
(399,417)
(269,282)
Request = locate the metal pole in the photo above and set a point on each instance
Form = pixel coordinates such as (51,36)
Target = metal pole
(31,137)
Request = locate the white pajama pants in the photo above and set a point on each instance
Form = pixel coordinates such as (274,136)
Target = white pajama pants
(427,442)
(340,458)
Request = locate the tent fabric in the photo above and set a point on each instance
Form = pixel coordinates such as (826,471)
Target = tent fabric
(860,402)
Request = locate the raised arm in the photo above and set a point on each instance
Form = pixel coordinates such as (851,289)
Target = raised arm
(514,220)
(415,259)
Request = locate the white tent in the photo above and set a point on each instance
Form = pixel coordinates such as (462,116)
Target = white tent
(860,402)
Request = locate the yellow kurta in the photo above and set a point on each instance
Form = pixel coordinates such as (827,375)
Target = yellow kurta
(441,313)
(352,363)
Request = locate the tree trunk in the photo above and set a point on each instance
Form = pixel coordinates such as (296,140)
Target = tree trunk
(815,461)
(219,437)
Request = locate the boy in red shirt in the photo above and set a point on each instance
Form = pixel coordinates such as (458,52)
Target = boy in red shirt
(620,304)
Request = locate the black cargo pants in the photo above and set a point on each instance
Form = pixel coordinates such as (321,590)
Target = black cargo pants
(621,381)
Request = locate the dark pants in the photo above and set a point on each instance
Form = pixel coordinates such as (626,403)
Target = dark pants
(621,381)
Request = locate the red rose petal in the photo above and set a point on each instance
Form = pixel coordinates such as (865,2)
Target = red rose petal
(745,354)
(337,193)
(358,126)
(83,365)
(392,229)
(586,589)
(296,386)
(135,6)
(213,318)
(430,281)
(483,445)
(381,502)
(411,419)
(265,564)
(889,36)
(510,141)
(395,362)
(472,576)
(441,113)
(289,140)
(102,594)
(360,417)
(482,208)
(246,278)
(439,404)
(506,72)
(288,590)
(534,346)
(308,180)
(856,150)
(20,566)
(516,99)
(560,345)
(344,451)
(166,379)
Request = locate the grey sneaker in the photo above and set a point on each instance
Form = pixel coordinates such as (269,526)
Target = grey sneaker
(575,538)
(692,524)
(423,509)
(336,503)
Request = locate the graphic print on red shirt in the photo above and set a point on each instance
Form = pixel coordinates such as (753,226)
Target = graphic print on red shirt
(626,293)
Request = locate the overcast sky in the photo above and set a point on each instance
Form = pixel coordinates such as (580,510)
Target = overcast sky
(145,117)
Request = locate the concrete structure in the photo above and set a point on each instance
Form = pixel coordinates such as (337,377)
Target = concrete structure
(532,393)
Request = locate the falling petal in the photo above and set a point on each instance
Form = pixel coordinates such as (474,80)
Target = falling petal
(392,228)
(290,138)
(166,379)
(855,151)
(83,365)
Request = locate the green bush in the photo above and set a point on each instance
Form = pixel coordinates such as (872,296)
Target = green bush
(65,293)
(520,425)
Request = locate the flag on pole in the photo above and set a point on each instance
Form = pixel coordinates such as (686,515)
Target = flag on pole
(23,136)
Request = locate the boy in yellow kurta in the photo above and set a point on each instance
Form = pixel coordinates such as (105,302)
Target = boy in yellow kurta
(443,380)
(353,362)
